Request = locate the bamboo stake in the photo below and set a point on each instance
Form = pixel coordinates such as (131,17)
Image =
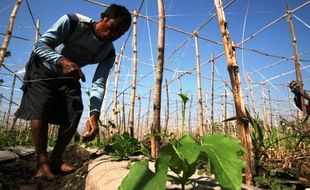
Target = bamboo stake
(134,75)
(222,115)
(37,36)
(270,110)
(9,32)
(190,114)
(142,129)
(264,110)
(249,82)
(296,60)
(123,115)
(155,142)
(148,112)
(167,109)
(199,89)
(10,102)
(139,117)
(244,133)
(177,117)
(289,100)
(225,107)
(206,113)
(212,94)
(116,78)
(1,100)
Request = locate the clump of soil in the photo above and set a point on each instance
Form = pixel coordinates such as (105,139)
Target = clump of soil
(19,174)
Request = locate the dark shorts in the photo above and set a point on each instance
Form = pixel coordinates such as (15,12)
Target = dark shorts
(47,96)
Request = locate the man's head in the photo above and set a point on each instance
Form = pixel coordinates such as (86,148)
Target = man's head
(114,22)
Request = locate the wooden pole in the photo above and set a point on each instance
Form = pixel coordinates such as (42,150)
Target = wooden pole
(134,75)
(199,89)
(167,109)
(37,31)
(212,94)
(270,112)
(244,131)
(206,113)
(289,100)
(116,77)
(249,82)
(9,32)
(123,123)
(264,110)
(296,60)
(148,112)
(177,117)
(139,119)
(155,142)
(11,101)
(225,107)
(190,115)
(222,115)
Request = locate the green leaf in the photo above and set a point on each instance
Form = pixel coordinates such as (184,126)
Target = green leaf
(230,119)
(176,162)
(140,177)
(190,152)
(225,156)
(123,145)
(184,155)
(183,97)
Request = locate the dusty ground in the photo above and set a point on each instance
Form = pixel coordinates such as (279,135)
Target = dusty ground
(19,174)
(98,171)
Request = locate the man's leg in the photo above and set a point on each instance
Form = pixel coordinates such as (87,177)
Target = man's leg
(73,111)
(63,139)
(39,130)
(65,134)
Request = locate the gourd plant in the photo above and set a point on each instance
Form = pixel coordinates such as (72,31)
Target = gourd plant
(121,146)
(182,157)
(184,101)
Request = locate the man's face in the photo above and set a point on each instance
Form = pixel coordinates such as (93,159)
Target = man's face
(109,30)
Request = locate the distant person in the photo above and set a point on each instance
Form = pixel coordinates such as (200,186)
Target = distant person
(51,88)
(293,85)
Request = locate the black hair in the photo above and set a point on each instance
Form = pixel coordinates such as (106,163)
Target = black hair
(118,12)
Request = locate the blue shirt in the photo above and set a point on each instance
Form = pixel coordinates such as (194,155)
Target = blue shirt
(80,46)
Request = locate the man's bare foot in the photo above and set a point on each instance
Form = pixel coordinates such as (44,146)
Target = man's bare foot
(44,171)
(66,168)
(62,167)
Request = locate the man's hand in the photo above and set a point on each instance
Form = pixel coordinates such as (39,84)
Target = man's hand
(71,69)
(91,129)
(293,85)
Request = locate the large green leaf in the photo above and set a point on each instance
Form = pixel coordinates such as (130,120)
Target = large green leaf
(184,155)
(140,177)
(176,162)
(190,151)
(225,156)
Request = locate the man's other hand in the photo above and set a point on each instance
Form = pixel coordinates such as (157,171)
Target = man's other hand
(91,129)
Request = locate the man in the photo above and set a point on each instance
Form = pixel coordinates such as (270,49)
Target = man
(51,89)
(293,85)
